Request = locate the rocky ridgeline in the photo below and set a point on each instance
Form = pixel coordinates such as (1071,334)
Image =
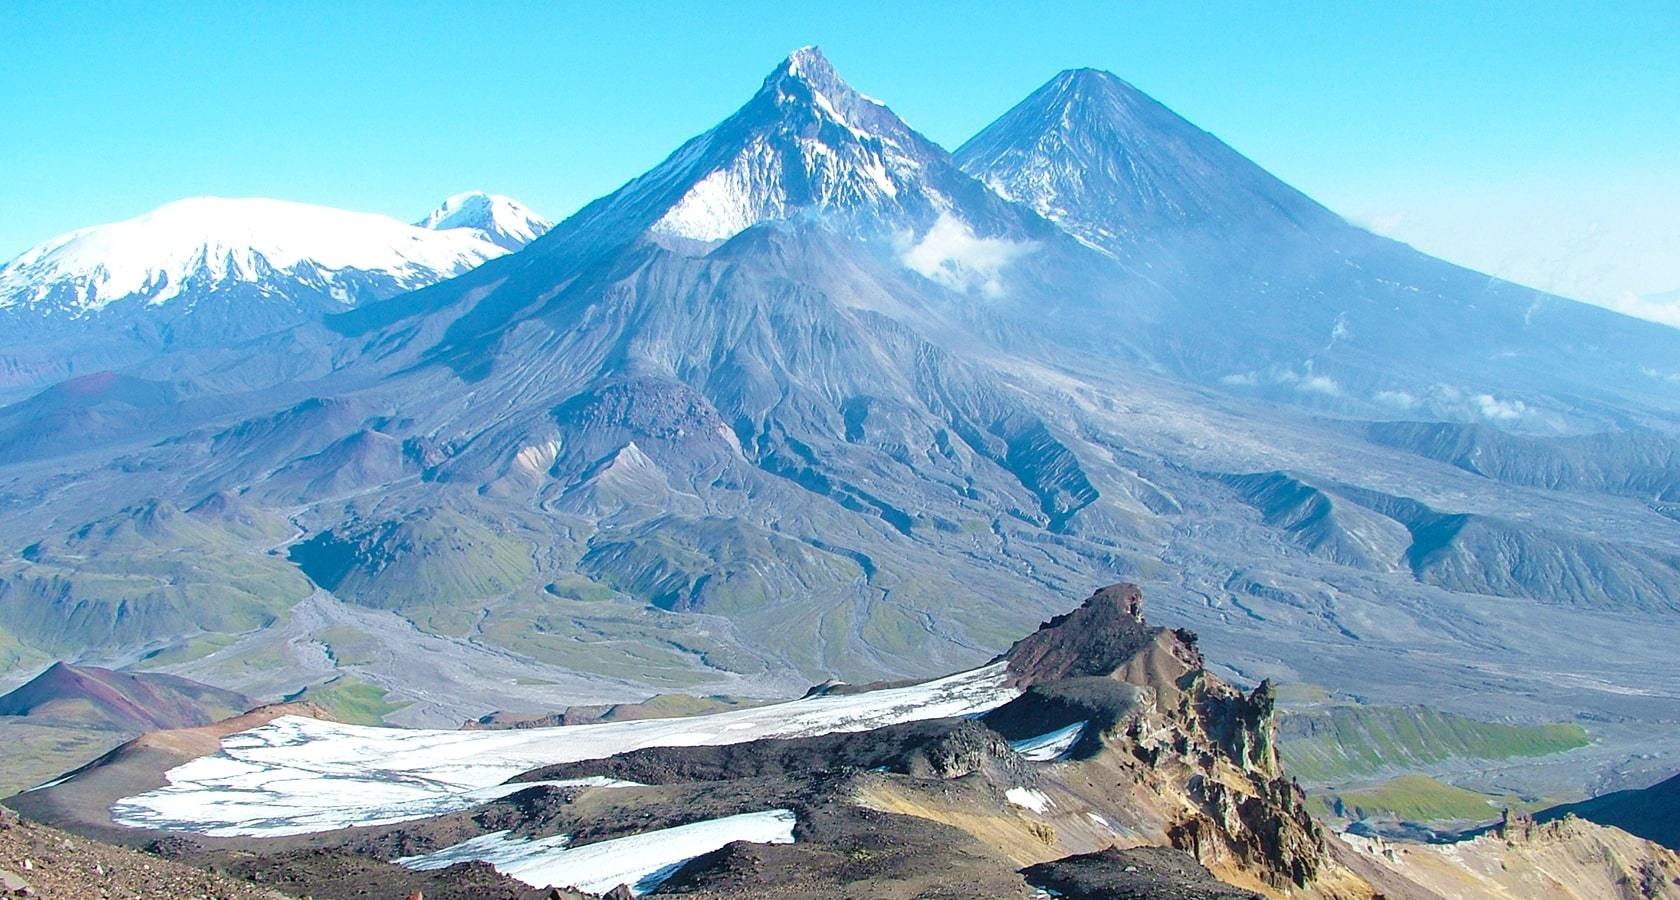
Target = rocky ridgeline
(1187,734)
(1171,788)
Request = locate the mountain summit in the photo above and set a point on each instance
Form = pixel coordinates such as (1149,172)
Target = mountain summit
(1108,163)
(508,223)
(805,144)
(1273,295)
(277,250)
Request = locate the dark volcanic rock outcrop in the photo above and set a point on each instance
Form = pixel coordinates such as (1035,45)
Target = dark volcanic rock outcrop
(1141,873)
(1101,636)
(937,748)
(1146,692)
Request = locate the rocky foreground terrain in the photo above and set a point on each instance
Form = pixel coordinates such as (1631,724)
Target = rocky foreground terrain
(1110,763)
(38,861)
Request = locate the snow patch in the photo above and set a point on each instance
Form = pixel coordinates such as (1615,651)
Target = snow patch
(642,861)
(297,775)
(1102,823)
(537,458)
(1029,798)
(1051,746)
(504,220)
(727,201)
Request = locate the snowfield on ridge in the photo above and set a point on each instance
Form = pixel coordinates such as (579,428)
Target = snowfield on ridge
(297,775)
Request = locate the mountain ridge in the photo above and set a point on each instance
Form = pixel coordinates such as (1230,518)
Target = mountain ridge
(207,243)
(859,451)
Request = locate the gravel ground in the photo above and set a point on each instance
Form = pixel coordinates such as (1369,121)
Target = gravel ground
(37,861)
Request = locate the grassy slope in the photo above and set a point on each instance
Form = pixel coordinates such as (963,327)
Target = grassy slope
(1331,744)
(613,638)
(431,557)
(147,574)
(1415,798)
(35,753)
(350,700)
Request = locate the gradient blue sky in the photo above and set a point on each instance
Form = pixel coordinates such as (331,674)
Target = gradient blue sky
(1453,125)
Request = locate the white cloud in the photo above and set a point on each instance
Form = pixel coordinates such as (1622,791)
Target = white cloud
(951,254)
(1398,399)
(1491,407)
(1309,383)
(1306,383)
(1319,384)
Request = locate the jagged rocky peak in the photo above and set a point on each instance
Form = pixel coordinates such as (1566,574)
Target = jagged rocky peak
(806,143)
(1107,637)
(1112,166)
(1145,701)
(1103,637)
(807,85)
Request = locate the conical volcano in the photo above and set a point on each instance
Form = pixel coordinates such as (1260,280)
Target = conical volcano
(1111,165)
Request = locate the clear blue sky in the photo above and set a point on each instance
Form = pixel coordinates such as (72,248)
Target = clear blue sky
(1388,112)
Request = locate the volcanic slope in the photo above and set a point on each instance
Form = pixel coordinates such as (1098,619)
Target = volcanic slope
(808,400)
(1310,308)
(68,715)
(1098,729)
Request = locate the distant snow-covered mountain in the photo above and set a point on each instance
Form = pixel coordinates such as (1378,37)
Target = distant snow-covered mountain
(276,252)
(208,273)
(504,220)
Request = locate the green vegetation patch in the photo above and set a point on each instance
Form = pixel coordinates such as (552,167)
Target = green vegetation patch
(350,700)
(15,656)
(1332,744)
(33,754)
(615,639)
(144,575)
(1415,798)
(670,706)
(431,557)
(192,648)
(569,586)
(716,565)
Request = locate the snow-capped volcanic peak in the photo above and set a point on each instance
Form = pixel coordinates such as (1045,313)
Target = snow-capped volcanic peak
(205,244)
(805,142)
(1108,163)
(504,220)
